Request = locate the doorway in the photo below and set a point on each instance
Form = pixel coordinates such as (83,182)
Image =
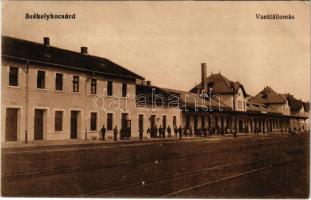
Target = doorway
(74,124)
(39,124)
(241,126)
(11,124)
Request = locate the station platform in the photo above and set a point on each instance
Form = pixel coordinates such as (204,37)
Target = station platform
(54,144)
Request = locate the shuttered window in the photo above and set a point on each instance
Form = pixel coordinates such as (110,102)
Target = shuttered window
(93,86)
(75,84)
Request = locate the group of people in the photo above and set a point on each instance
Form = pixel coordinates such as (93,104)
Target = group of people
(159,132)
(124,133)
(179,132)
(162,132)
(186,131)
(103,130)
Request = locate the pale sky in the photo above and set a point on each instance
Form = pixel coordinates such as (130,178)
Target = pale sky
(165,42)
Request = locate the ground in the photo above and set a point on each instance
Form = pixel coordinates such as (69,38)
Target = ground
(269,166)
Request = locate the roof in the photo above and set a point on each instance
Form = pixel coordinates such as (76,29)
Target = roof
(306,106)
(294,104)
(176,98)
(268,96)
(261,108)
(37,52)
(220,85)
(192,100)
(151,95)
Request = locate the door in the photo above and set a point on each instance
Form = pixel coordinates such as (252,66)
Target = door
(11,124)
(129,128)
(164,122)
(125,133)
(73,124)
(39,124)
(240,126)
(152,121)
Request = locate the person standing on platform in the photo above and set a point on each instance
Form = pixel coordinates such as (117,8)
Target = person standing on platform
(115,133)
(149,132)
(155,131)
(180,132)
(169,131)
(103,132)
(141,132)
(175,132)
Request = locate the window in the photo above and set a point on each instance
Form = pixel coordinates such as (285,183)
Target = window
(41,79)
(93,121)
(109,121)
(124,89)
(109,88)
(174,121)
(59,81)
(58,120)
(93,86)
(13,76)
(75,84)
(244,104)
(239,104)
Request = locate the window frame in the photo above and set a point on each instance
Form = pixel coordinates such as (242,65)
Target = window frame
(93,86)
(93,124)
(61,81)
(109,121)
(124,89)
(58,119)
(239,105)
(75,83)
(41,84)
(16,76)
(109,88)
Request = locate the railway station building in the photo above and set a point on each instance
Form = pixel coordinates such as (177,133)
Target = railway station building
(49,93)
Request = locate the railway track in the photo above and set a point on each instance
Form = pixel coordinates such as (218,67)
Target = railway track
(17,169)
(96,150)
(171,171)
(78,166)
(135,189)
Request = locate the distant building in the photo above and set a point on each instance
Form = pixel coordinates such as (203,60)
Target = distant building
(272,99)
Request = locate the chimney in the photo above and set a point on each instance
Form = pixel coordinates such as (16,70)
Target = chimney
(84,50)
(46,41)
(148,83)
(203,77)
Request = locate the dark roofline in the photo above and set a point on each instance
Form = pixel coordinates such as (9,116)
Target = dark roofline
(98,59)
(66,66)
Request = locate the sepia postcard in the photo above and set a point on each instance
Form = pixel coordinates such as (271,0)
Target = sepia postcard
(155,99)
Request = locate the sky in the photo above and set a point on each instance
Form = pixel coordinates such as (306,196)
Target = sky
(166,42)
